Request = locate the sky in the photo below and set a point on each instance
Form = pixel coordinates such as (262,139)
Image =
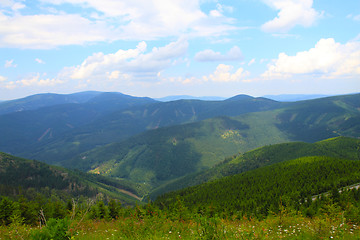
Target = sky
(158,48)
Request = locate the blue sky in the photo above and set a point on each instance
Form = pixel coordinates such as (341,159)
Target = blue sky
(158,48)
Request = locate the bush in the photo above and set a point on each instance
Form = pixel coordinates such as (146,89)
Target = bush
(56,229)
(6,211)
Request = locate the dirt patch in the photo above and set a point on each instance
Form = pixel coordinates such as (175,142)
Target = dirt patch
(130,194)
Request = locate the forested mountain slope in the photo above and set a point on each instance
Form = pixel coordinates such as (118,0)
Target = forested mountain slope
(163,154)
(267,189)
(31,178)
(339,147)
(167,153)
(322,118)
(119,125)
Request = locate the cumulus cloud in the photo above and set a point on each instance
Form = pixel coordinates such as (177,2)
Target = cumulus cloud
(291,13)
(10,63)
(37,81)
(50,31)
(31,82)
(131,63)
(108,20)
(327,59)
(224,73)
(127,67)
(209,55)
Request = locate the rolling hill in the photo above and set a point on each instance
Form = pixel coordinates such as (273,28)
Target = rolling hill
(338,147)
(264,189)
(120,125)
(30,177)
(163,154)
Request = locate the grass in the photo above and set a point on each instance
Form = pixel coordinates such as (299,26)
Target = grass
(157,225)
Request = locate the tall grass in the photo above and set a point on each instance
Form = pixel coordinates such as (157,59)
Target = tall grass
(160,225)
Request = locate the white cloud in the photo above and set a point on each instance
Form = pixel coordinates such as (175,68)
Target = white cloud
(215,13)
(209,55)
(132,64)
(328,59)
(32,81)
(50,31)
(223,73)
(124,67)
(40,61)
(13,5)
(37,81)
(107,21)
(252,61)
(99,63)
(10,63)
(224,8)
(2,79)
(291,13)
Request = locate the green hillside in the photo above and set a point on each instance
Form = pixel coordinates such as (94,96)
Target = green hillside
(32,178)
(266,189)
(322,118)
(158,156)
(339,147)
(120,125)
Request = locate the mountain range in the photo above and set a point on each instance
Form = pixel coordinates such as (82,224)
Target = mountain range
(155,146)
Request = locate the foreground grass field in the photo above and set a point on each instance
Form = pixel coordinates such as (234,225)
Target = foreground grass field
(285,225)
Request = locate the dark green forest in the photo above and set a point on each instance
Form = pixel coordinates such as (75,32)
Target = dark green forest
(339,147)
(264,190)
(31,179)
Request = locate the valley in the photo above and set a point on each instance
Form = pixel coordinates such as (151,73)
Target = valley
(153,143)
(231,158)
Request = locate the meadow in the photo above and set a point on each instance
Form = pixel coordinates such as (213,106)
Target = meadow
(157,225)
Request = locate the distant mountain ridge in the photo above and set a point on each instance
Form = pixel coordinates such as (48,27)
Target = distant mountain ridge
(44,100)
(295,97)
(25,128)
(188,97)
(119,125)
